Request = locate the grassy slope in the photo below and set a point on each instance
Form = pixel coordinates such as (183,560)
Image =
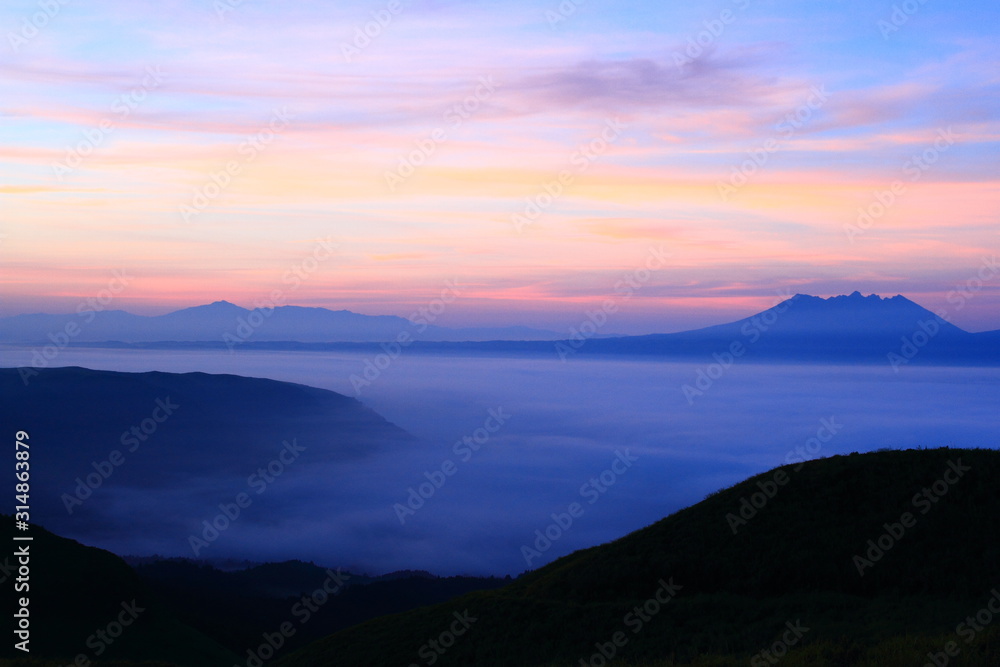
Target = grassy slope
(793,561)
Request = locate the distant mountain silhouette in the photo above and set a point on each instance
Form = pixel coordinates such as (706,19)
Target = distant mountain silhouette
(852,315)
(226,322)
(851,328)
(820,558)
(803,328)
(841,329)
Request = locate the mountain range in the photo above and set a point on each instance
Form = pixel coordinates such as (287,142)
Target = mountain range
(223,322)
(849,328)
(802,329)
(842,329)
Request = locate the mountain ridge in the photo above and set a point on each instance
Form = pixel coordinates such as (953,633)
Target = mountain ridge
(819,548)
(225,321)
(191,442)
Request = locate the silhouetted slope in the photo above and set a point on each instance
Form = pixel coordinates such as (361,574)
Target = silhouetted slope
(218,423)
(793,561)
(77,591)
(988,337)
(185,443)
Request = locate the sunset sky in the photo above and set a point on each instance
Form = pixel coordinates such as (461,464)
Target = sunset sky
(208,147)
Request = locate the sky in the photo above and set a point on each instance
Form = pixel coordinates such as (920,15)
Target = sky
(366,155)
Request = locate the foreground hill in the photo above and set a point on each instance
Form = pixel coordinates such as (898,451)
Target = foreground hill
(871,559)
